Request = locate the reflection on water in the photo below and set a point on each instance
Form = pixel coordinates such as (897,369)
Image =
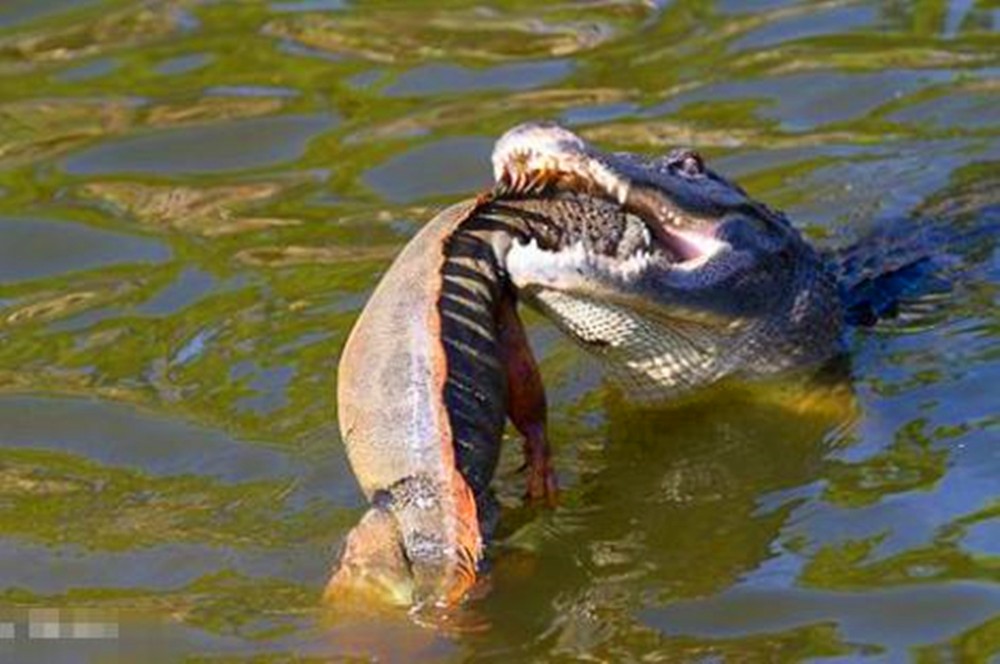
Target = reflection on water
(37,248)
(196,199)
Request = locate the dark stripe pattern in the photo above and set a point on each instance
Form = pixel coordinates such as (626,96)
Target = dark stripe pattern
(472,285)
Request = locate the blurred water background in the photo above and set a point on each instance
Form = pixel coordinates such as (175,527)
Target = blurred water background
(197,197)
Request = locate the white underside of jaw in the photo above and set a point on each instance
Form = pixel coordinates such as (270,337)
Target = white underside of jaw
(530,265)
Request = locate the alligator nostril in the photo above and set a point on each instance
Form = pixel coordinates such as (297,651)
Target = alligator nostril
(692,164)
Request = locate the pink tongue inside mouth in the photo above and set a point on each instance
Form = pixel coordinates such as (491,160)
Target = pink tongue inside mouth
(688,245)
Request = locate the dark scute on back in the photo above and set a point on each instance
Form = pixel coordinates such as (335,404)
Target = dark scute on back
(563,219)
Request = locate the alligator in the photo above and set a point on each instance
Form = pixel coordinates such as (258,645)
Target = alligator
(667,271)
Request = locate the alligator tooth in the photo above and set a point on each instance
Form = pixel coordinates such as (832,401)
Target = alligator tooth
(621,192)
(536,182)
(504,185)
(518,182)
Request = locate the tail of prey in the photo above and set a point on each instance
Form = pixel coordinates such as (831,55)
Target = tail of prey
(418,544)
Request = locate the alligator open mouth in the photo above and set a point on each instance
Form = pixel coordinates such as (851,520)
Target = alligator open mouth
(538,159)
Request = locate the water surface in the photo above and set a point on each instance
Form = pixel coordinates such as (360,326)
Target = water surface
(196,199)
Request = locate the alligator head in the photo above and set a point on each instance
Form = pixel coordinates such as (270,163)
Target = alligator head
(721,284)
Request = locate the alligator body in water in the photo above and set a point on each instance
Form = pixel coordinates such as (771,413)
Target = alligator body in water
(670,273)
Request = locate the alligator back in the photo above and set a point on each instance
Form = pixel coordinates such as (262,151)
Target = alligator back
(899,261)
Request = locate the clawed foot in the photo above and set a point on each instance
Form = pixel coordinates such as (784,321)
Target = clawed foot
(542,485)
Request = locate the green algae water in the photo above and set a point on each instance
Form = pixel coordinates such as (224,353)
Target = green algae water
(196,199)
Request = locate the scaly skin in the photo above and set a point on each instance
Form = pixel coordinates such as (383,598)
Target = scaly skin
(434,364)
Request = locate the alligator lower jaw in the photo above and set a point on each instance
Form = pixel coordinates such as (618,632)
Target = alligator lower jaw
(528,264)
(669,241)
